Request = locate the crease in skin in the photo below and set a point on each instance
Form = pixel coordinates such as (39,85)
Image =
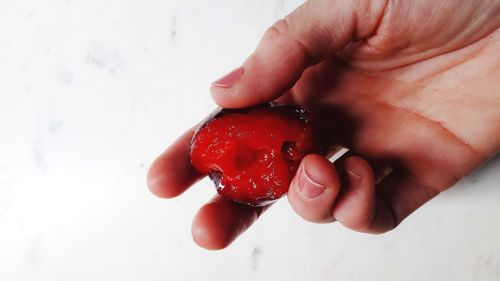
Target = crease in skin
(430,190)
(473,54)
(382,201)
(443,128)
(376,86)
(397,217)
(449,167)
(367,61)
(420,84)
(385,10)
(281,27)
(415,84)
(420,26)
(441,125)
(367,10)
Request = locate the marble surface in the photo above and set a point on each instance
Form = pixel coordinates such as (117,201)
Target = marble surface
(91,91)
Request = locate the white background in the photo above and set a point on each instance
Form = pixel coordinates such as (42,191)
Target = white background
(92,91)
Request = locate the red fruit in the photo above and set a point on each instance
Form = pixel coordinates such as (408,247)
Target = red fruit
(252,154)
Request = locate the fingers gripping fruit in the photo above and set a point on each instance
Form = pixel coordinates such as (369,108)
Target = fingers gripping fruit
(252,154)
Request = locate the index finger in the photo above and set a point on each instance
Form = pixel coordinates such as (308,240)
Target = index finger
(172,173)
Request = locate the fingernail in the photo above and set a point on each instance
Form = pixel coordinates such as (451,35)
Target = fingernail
(353,179)
(228,80)
(308,187)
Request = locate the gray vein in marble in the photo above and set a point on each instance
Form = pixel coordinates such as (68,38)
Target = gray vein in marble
(256,255)
(39,160)
(105,59)
(173,29)
(6,187)
(66,77)
(33,252)
(55,126)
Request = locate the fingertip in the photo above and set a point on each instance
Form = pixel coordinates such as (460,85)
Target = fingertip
(229,79)
(360,167)
(218,223)
(320,170)
(238,96)
(172,173)
(355,206)
(314,189)
(227,91)
(202,237)
(163,182)
(207,232)
(275,66)
(155,182)
(155,179)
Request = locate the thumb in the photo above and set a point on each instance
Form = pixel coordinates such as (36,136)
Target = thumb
(307,36)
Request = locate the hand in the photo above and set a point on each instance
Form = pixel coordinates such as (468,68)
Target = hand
(410,87)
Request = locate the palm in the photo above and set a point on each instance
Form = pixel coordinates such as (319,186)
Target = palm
(420,121)
(389,116)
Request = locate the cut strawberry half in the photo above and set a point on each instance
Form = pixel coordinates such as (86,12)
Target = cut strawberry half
(252,154)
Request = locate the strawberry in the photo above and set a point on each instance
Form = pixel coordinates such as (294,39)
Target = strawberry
(252,154)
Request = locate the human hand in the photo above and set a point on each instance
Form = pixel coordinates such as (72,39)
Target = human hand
(410,87)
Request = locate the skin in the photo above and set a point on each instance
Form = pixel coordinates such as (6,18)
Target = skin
(410,87)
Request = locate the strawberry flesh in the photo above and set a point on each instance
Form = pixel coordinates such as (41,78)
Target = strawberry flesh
(252,154)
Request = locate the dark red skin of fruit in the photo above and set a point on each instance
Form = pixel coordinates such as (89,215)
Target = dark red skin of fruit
(252,154)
